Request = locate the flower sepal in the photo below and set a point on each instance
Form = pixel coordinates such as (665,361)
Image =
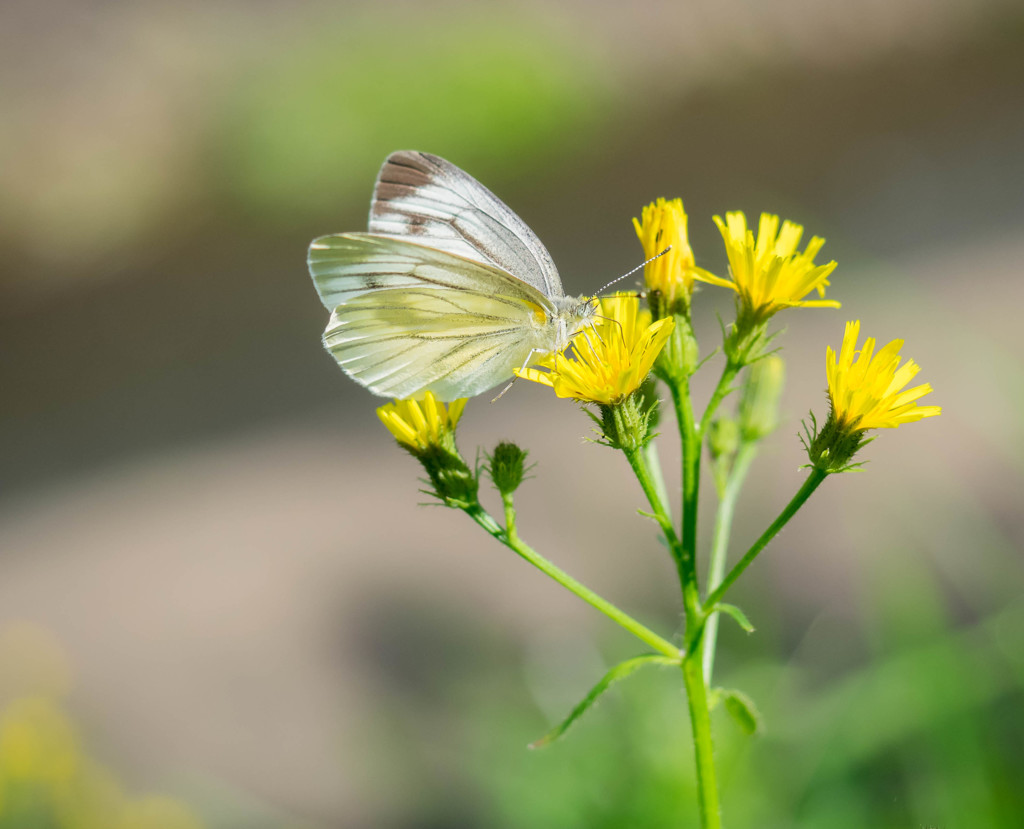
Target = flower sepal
(831,449)
(747,340)
(453,483)
(627,425)
(681,354)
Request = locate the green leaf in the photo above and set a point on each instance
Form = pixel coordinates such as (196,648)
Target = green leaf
(620,671)
(736,613)
(743,711)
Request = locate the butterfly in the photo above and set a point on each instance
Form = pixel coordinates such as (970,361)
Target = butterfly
(448,291)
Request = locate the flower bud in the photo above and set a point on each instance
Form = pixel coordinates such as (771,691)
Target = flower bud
(681,354)
(723,441)
(507,467)
(759,402)
(724,437)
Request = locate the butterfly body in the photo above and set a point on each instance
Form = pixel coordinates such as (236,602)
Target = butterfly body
(448,292)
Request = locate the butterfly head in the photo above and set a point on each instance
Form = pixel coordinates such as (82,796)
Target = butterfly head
(572,314)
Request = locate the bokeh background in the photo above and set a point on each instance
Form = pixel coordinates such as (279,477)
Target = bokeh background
(220,604)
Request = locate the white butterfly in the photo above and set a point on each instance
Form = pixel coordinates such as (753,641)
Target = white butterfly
(448,292)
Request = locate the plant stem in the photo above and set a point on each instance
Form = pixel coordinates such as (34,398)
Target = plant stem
(693,672)
(511,540)
(812,482)
(650,452)
(700,721)
(724,386)
(638,461)
(720,543)
(690,437)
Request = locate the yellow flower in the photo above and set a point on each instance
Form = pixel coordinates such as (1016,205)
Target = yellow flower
(610,360)
(662,224)
(866,388)
(420,424)
(769,273)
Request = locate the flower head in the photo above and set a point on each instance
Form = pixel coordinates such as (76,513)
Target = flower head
(865,388)
(769,273)
(662,224)
(420,424)
(426,428)
(866,391)
(610,360)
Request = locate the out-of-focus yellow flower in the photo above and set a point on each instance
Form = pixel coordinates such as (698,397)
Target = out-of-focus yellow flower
(769,273)
(156,812)
(37,742)
(46,776)
(609,361)
(865,388)
(421,424)
(663,224)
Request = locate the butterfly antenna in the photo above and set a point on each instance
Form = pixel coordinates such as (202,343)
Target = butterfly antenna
(638,267)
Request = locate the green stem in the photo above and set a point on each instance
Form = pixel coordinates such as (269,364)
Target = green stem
(720,543)
(684,562)
(693,672)
(700,720)
(812,483)
(511,540)
(638,461)
(687,562)
(650,452)
(724,386)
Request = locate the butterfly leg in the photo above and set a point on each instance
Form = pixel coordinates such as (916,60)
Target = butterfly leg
(511,383)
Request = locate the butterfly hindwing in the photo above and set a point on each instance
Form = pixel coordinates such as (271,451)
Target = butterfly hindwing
(406,341)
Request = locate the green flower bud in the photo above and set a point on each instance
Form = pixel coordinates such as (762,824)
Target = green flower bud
(507,467)
(759,402)
(681,354)
(724,437)
(723,441)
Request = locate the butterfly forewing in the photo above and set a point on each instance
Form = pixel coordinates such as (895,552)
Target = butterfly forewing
(348,265)
(428,200)
(404,342)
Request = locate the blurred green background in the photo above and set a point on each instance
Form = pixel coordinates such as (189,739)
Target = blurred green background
(220,605)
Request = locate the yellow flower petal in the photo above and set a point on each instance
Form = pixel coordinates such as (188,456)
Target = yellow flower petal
(769,272)
(420,424)
(866,389)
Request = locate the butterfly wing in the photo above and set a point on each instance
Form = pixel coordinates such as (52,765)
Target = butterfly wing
(347,265)
(425,199)
(410,319)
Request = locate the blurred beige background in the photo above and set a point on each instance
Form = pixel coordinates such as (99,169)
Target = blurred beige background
(206,514)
